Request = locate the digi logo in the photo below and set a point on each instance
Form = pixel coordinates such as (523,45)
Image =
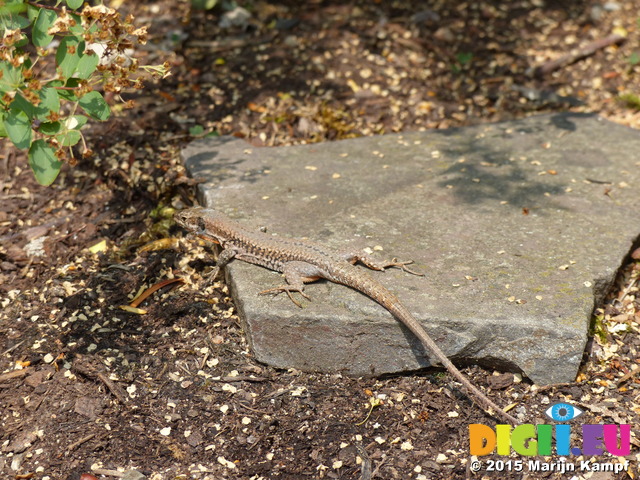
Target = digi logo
(529,440)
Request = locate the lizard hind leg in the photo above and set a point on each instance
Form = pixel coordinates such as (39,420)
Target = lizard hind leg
(296,274)
(373,264)
(403,265)
(288,289)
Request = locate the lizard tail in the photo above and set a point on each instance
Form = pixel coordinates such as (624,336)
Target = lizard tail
(388,300)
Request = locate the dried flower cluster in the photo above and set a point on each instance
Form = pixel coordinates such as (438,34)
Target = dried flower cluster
(43,112)
(111,38)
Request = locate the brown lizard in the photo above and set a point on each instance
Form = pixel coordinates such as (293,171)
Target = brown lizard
(302,262)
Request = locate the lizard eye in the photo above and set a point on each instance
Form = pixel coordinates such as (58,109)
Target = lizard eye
(201,224)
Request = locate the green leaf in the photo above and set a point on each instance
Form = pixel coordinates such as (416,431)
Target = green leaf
(203,4)
(73,61)
(21,43)
(76,122)
(13,22)
(32,13)
(43,162)
(12,15)
(95,106)
(196,130)
(464,58)
(69,95)
(69,138)
(73,4)
(21,104)
(13,4)
(18,127)
(45,20)
(68,56)
(87,65)
(78,29)
(10,78)
(49,128)
(3,131)
(49,102)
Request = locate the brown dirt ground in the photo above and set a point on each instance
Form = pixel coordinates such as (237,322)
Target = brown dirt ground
(175,393)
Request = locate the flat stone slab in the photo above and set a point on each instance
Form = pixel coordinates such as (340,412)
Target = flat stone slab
(520,228)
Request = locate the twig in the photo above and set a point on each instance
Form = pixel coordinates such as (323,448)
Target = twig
(577,54)
(46,7)
(252,409)
(377,469)
(628,375)
(77,443)
(14,374)
(627,289)
(107,472)
(239,378)
(11,349)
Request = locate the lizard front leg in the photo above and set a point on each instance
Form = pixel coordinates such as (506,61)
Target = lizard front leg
(296,274)
(224,257)
(370,262)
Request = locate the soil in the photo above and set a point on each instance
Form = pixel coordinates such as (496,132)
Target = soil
(172,391)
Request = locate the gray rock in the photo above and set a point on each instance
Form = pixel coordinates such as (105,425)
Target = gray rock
(238,17)
(520,228)
(425,17)
(595,13)
(133,475)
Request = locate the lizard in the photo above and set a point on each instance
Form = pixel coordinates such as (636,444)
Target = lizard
(302,261)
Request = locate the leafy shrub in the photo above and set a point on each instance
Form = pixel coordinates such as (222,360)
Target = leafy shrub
(42,110)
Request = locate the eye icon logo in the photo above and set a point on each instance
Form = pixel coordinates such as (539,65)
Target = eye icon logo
(563,412)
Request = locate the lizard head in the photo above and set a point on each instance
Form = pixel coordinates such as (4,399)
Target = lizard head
(204,222)
(191,219)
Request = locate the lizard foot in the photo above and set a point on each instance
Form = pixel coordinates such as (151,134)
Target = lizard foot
(212,275)
(403,265)
(288,289)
